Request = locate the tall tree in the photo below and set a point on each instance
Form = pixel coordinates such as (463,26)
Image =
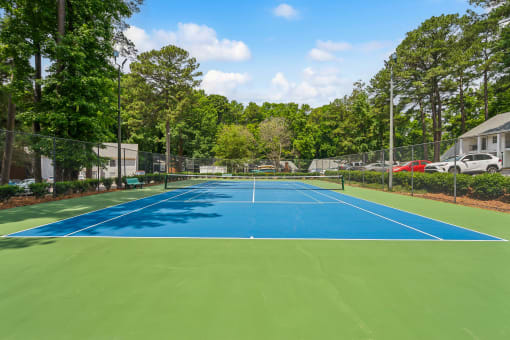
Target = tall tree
(15,71)
(171,74)
(275,135)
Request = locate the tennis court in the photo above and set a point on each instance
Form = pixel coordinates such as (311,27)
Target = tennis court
(312,207)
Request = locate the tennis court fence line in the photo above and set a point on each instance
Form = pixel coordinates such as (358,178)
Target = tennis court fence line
(51,159)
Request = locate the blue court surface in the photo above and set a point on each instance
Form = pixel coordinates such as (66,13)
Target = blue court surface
(283,210)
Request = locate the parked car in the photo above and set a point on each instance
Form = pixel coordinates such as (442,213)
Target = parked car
(469,164)
(416,166)
(379,167)
(14,181)
(25,184)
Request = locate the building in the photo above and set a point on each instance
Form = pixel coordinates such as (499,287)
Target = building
(108,152)
(492,136)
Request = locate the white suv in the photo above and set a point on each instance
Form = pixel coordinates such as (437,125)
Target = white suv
(469,164)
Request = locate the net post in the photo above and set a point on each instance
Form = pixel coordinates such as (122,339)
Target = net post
(98,168)
(166,181)
(343,182)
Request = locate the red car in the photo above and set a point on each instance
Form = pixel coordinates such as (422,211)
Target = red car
(417,166)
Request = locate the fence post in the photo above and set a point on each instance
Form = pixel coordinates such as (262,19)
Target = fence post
(54,155)
(125,173)
(412,170)
(455,172)
(363,170)
(384,168)
(98,167)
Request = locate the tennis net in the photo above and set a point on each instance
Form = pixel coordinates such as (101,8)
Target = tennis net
(181,181)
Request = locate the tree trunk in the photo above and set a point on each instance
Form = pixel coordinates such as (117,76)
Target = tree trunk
(36,126)
(61,31)
(485,94)
(167,136)
(9,141)
(462,108)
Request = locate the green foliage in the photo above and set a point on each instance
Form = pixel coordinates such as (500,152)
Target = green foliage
(63,188)
(39,189)
(488,186)
(107,182)
(7,191)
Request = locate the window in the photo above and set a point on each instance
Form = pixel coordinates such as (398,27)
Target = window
(474,147)
(484,143)
(468,158)
(494,139)
(482,157)
(507,140)
(113,163)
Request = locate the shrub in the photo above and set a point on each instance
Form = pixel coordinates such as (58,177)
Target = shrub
(63,188)
(107,182)
(488,186)
(79,186)
(92,184)
(7,191)
(39,189)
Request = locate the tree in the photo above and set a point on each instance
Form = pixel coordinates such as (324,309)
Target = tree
(171,74)
(235,145)
(14,74)
(423,56)
(275,136)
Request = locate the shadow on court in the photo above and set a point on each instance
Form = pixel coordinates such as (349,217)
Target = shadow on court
(19,243)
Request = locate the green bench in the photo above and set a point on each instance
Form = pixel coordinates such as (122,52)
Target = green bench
(133,182)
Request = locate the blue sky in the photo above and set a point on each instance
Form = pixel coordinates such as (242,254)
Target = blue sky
(267,50)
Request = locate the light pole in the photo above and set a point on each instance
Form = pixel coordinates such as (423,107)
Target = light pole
(119,130)
(390,175)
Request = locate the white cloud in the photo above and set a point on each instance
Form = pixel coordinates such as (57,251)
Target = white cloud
(317,86)
(200,40)
(320,55)
(223,83)
(333,46)
(286,11)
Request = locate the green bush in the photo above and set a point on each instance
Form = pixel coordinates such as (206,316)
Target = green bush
(79,186)
(39,189)
(107,182)
(7,191)
(488,186)
(63,188)
(92,184)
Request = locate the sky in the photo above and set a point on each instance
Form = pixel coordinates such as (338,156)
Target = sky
(302,51)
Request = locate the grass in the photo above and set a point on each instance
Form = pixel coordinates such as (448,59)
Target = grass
(254,289)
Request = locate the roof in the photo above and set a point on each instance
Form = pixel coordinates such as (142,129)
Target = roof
(497,124)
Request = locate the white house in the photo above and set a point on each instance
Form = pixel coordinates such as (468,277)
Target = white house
(492,136)
(129,161)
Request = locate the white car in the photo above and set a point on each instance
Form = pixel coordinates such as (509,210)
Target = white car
(24,184)
(468,164)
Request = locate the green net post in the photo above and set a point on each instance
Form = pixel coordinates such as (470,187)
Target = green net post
(166,181)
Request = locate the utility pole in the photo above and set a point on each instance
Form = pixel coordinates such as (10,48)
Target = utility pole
(119,130)
(390,175)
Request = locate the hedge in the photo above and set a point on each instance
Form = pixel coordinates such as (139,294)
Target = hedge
(39,189)
(7,191)
(484,186)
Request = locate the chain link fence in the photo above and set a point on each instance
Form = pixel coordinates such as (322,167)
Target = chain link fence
(37,158)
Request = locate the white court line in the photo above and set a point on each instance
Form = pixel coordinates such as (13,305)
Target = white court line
(381,216)
(255,238)
(90,212)
(129,213)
